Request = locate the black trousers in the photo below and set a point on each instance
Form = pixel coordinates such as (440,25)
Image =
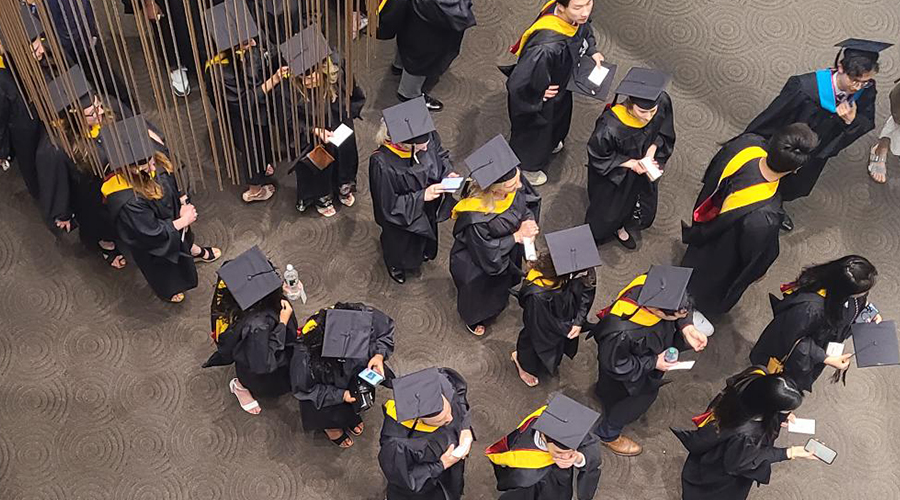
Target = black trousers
(619,407)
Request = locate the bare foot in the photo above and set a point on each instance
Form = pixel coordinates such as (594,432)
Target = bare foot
(478,331)
(244,397)
(335,434)
(529,379)
(177,298)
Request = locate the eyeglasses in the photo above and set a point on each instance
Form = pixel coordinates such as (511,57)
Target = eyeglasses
(860,84)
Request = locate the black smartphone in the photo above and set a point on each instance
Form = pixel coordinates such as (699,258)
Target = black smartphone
(821,451)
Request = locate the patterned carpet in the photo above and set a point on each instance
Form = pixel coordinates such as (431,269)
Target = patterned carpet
(101,391)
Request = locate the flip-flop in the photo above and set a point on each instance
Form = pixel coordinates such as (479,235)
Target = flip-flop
(232,386)
(267,192)
(472,330)
(178,298)
(339,441)
(207,254)
(110,257)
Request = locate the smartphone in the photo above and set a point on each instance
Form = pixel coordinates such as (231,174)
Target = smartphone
(821,451)
(451,184)
(371,377)
(867,315)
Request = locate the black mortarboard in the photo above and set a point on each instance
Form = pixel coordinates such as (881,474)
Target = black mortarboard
(566,421)
(573,250)
(581,83)
(33,26)
(347,334)
(872,47)
(875,344)
(305,50)
(230,24)
(664,287)
(643,86)
(69,88)
(250,277)
(493,162)
(419,394)
(127,142)
(409,122)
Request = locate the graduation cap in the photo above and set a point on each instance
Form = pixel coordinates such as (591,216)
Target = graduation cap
(347,334)
(305,50)
(409,122)
(419,394)
(573,249)
(231,24)
(33,27)
(566,421)
(871,48)
(582,83)
(250,277)
(493,162)
(127,143)
(69,88)
(875,344)
(643,86)
(664,288)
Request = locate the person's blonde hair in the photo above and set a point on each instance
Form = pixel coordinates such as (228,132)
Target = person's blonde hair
(327,71)
(144,185)
(83,146)
(487,196)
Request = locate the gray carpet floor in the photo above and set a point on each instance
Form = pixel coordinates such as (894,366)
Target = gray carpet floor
(101,391)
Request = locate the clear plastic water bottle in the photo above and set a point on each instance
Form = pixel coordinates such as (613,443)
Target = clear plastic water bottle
(671,355)
(294,286)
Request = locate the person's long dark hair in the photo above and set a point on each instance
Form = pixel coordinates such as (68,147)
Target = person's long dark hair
(750,395)
(841,279)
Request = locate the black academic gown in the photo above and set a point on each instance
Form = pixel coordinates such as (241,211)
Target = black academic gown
(547,58)
(724,465)
(799,328)
(20,128)
(731,251)
(431,36)
(540,478)
(411,457)
(319,384)
(799,101)
(246,107)
(261,347)
(146,229)
(548,314)
(408,223)
(614,192)
(485,260)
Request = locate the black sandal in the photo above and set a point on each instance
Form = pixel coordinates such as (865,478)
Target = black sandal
(357,434)
(206,255)
(110,257)
(338,441)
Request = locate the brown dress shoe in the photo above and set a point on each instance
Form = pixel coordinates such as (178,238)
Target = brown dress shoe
(624,447)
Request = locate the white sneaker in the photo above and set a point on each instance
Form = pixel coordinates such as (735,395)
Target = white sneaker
(180,83)
(559,147)
(537,178)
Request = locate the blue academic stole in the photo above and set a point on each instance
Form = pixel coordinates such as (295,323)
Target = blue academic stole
(826,91)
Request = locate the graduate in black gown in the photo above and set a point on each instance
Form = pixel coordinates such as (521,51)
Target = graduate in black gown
(634,333)
(321,89)
(428,40)
(498,212)
(426,421)
(622,194)
(837,103)
(254,327)
(734,444)
(405,175)
(336,345)
(540,105)
(152,218)
(733,238)
(818,308)
(555,297)
(550,450)
(242,82)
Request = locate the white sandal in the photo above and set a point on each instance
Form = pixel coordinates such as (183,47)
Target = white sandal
(246,407)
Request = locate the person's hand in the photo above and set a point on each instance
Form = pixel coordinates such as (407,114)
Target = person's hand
(528,229)
(695,338)
(376,364)
(568,459)
(799,452)
(65,225)
(447,459)
(466,434)
(791,418)
(282,73)
(152,10)
(324,135)
(598,58)
(847,112)
(188,214)
(661,363)
(452,175)
(841,362)
(574,332)
(636,166)
(286,311)
(348,398)
(877,319)
(4,164)
(433,192)
(184,199)
(551,92)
